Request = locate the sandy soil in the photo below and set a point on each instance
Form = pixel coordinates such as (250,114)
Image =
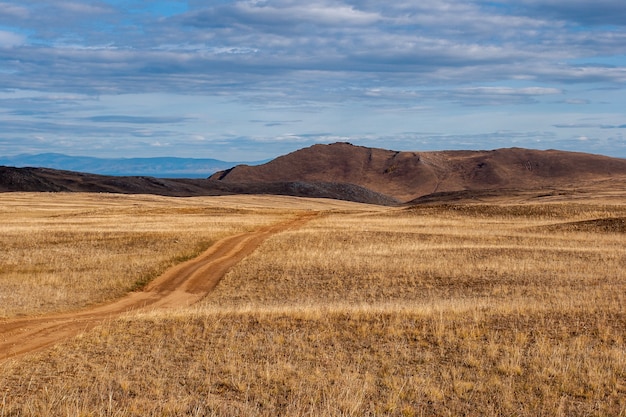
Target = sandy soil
(180,286)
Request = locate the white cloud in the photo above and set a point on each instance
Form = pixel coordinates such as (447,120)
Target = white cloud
(577,101)
(583,73)
(11,39)
(313,12)
(509,91)
(82,8)
(13,11)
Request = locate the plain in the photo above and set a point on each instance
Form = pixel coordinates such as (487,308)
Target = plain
(497,307)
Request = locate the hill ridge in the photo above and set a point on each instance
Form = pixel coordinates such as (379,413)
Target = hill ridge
(407,175)
(357,173)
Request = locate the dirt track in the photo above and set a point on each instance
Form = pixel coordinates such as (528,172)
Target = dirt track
(180,286)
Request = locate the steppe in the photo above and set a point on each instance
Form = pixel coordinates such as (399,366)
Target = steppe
(498,306)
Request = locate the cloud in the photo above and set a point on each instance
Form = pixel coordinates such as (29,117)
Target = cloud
(583,74)
(10,39)
(252,69)
(280,16)
(469,96)
(262,46)
(576,101)
(496,96)
(576,125)
(275,123)
(137,119)
(82,8)
(12,11)
(589,125)
(598,12)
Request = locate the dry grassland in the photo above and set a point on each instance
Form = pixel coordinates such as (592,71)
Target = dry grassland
(65,251)
(486,309)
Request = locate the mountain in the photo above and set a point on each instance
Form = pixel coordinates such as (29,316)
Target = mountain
(158,167)
(367,175)
(406,176)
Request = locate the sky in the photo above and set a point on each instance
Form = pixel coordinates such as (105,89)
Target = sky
(251,80)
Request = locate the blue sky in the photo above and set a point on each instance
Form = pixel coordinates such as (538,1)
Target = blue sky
(249,80)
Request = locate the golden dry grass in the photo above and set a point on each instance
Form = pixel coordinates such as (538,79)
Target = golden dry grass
(502,254)
(486,309)
(65,251)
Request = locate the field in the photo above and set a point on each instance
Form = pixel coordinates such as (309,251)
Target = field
(64,251)
(498,308)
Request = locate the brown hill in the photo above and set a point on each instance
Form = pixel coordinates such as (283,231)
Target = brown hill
(51,180)
(406,176)
(355,173)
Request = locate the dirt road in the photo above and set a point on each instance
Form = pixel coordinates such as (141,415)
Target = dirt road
(180,286)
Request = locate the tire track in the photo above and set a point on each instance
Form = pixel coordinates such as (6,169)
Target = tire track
(180,286)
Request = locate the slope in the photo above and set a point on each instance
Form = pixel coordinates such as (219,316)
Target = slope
(51,180)
(408,175)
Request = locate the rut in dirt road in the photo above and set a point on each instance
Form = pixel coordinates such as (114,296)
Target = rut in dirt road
(180,286)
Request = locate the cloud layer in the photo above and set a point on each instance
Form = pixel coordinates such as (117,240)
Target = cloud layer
(181,77)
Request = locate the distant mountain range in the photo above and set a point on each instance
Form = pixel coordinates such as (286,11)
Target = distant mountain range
(154,167)
(347,172)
